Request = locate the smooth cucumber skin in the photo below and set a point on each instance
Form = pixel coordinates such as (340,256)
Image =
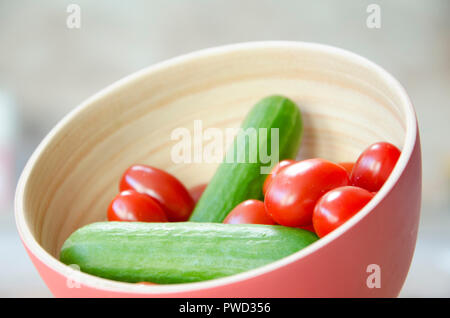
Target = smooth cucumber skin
(236,182)
(178,252)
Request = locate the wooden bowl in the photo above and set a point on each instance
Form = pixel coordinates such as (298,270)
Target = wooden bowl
(347,103)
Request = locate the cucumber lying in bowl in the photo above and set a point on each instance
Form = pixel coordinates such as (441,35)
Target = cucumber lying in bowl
(178,252)
(236,181)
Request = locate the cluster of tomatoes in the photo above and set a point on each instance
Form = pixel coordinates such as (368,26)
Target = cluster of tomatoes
(316,194)
(148,194)
(313,194)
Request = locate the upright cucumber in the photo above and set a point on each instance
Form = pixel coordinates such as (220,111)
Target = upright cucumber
(236,181)
(178,252)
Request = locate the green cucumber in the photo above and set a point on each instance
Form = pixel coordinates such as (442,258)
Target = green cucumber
(178,252)
(234,181)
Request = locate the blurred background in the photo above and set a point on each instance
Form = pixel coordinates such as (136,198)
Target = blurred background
(46,69)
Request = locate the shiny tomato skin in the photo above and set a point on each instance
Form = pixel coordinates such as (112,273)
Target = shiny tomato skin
(275,170)
(171,194)
(292,194)
(337,206)
(197,191)
(348,166)
(374,166)
(132,206)
(249,212)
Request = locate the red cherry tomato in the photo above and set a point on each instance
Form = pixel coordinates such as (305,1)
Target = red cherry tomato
(249,212)
(291,196)
(337,206)
(374,166)
(275,170)
(134,206)
(197,191)
(348,166)
(171,194)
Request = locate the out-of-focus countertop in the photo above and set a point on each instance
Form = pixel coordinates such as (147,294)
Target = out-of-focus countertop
(48,69)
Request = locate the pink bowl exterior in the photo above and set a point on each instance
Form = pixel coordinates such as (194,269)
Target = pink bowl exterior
(386,236)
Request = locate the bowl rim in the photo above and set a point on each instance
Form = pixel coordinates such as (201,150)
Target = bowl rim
(95,282)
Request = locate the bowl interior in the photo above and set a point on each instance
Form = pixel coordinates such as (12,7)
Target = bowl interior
(346,106)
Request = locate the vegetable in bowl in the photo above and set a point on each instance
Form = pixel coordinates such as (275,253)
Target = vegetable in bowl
(244,219)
